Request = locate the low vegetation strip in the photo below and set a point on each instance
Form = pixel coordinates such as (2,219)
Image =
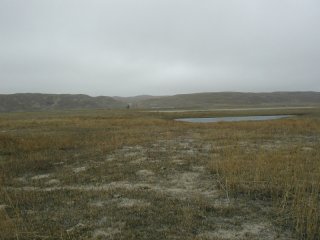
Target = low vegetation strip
(133,175)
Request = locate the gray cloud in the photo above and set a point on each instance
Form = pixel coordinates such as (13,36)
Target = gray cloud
(125,47)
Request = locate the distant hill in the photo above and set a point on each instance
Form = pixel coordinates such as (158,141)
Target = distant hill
(224,99)
(135,99)
(40,102)
(37,101)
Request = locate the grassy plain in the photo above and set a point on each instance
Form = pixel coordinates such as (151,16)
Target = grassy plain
(140,175)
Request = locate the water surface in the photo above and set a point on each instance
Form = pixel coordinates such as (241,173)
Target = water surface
(232,119)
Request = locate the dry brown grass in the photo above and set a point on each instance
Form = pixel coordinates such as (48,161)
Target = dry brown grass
(273,161)
(276,160)
(38,143)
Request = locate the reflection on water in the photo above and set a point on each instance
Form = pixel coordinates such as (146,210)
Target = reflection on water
(231,119)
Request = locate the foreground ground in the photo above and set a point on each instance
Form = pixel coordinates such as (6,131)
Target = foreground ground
(138,175)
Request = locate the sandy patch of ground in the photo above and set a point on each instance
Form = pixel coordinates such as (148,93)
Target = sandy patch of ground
(108,232)
(247,230)
(127,203)
(79,169)
(53,182)
(39,177)
(145,173)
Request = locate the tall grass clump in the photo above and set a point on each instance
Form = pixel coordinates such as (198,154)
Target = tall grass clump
(279,162)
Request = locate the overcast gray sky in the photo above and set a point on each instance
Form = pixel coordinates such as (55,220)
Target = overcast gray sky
(159,47)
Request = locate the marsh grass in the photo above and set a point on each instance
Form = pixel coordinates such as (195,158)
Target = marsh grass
(276,161)
(272,161)
(42,143)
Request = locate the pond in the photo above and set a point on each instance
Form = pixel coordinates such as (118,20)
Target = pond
(232,119)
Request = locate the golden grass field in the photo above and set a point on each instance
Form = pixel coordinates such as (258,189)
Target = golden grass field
(141,175)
